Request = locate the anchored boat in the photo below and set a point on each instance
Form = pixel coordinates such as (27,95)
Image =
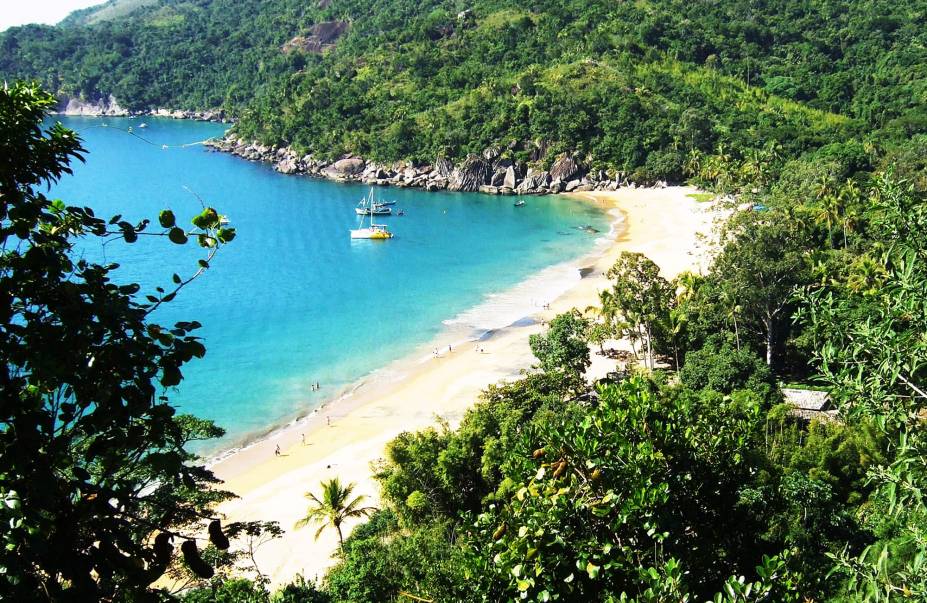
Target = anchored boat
(369,207)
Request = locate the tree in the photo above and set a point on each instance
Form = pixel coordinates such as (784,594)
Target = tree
(762,265)
(641,295)
(333,508)
(563,349)
(96,477)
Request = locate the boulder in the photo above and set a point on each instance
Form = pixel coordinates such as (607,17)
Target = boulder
(287,165)
(443,167)
(498,178)
(572,185)
(534,181)
(491,153)
(509,180)
(489,189)
(564,169)
(345,168)
(470,174)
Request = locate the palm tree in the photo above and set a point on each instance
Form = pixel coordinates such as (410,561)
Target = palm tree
(333,508)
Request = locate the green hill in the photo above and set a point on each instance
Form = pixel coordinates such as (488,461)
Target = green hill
(633,86)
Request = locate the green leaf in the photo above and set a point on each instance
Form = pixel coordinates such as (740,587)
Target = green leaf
(167,219)
(177,235)
(592,569)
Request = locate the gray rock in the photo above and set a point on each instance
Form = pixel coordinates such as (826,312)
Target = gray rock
(534,181)
(510,181)
(443,167)
(489,189)
(491,153)
(470,174)
(564,169)
(498,178)
(345,168)
(286,166)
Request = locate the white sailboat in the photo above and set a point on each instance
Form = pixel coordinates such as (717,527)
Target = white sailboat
(369,207)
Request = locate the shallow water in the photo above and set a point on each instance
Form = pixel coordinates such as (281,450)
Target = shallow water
(293,301)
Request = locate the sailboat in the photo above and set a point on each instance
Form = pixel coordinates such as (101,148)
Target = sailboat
(369,207)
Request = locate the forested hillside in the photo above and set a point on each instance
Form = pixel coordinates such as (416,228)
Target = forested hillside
(687,479)
(629,86)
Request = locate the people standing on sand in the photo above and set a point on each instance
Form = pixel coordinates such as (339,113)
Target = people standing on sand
(449,349)
(277,450)
(328,421)
(304,438)
(317,386)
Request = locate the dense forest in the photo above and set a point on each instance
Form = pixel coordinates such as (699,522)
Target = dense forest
(687,479)
(629,86)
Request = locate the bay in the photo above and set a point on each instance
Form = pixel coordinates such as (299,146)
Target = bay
(293,300)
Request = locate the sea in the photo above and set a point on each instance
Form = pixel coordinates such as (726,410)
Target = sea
(293,301)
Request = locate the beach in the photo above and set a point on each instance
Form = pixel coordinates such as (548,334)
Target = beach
(345,437)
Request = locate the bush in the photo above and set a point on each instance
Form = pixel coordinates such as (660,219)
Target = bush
(727,369)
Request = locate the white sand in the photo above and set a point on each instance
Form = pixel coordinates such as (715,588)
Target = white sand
(664,224)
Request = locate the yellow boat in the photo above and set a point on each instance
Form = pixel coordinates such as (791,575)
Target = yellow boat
(376,231)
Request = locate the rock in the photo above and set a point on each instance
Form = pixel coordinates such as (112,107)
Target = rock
(509,180)
(534,181)
(489,189)
(286,166)
(345,168)
(104,106)
(498,178)
(321,37)
(470,174)
(583,188)
(506,190)
(565,169)
(443,167)
(491,153)
(556,186)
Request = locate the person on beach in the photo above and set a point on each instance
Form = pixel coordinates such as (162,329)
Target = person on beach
(317,386)
(277,450)
(304,438)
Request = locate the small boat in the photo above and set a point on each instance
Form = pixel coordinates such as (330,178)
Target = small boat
(376,210)
(369,207)
(401,213)
(143,125)
(386,203)
(519,203)
(375,231)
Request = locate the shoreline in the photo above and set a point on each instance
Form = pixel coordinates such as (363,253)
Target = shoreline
(344,438)
(455,333)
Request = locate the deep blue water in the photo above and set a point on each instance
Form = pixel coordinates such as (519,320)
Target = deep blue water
(293,300)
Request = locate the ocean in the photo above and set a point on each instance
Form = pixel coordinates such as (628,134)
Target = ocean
(293,301)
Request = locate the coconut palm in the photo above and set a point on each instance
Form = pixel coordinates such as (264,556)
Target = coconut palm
(333,508)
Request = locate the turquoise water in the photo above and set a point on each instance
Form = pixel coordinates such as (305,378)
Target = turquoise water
(293,300)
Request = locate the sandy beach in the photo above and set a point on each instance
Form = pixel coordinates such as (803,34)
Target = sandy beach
(342,439)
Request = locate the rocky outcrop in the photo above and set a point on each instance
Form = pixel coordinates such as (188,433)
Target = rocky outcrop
(444,167)
(345,168)
(321,37)
(104,106)
(499,176)
(564,169)
(470,175)
(510,179)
